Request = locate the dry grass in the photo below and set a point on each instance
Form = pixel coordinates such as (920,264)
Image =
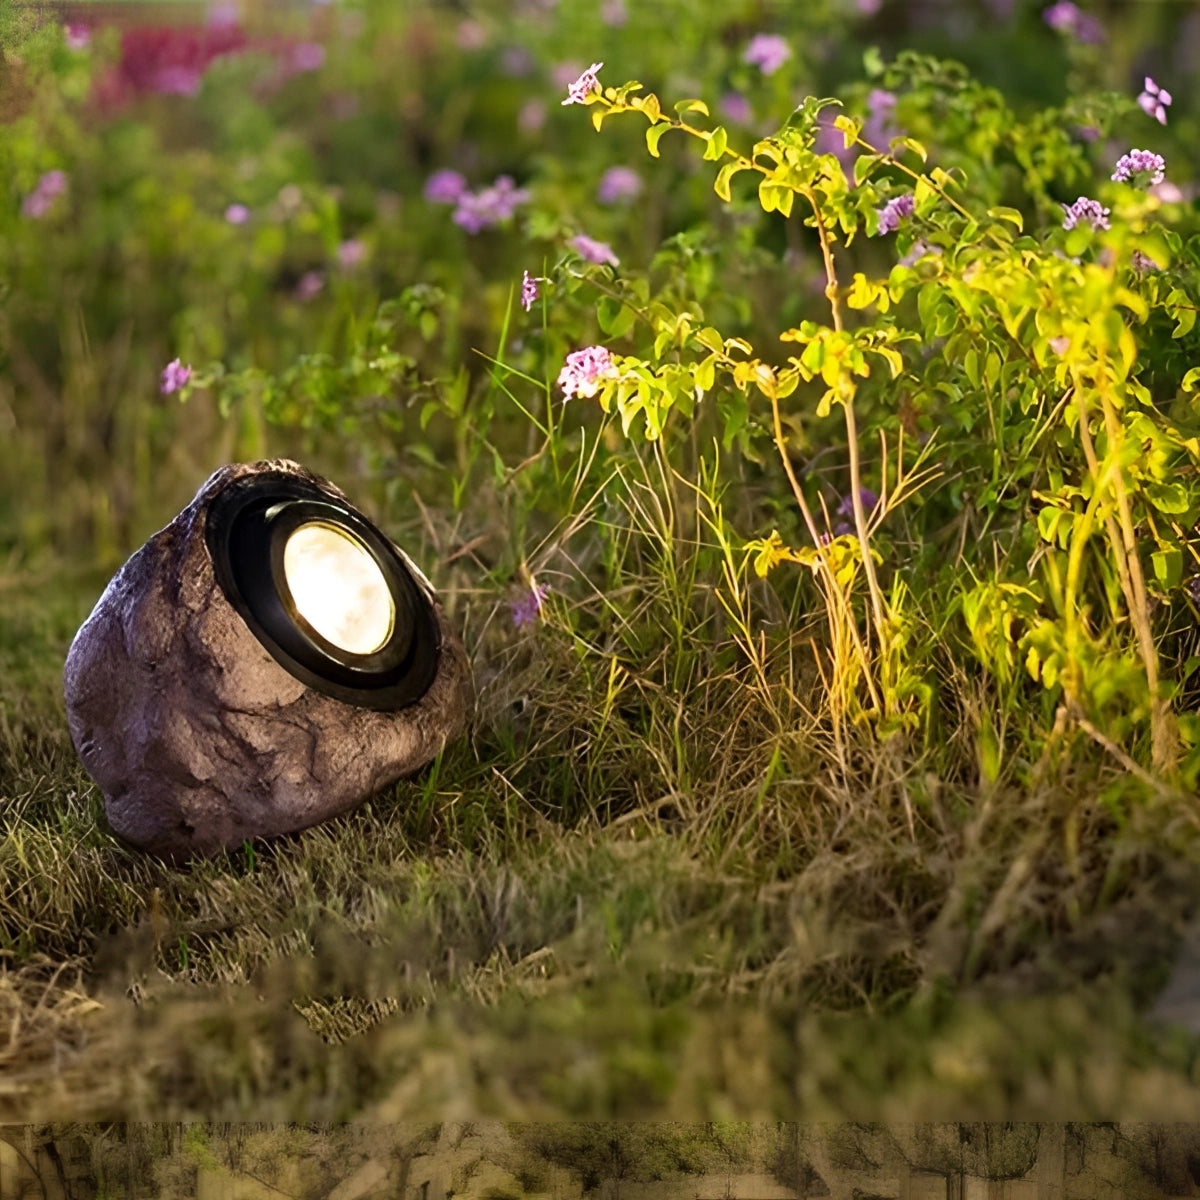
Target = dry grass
(654,882)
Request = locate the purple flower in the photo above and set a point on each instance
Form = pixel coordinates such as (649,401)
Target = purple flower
(237,214)
(894,211)
(1154,101)
(529,290)
(619,183)
(768,52)
(1139,167)
(1085,210)
(38,202)
(174,376)
(526,610)
(77,37)
(1059,344)
(1143,263)
(737,108)
(879,126)
(579,91)
(583,371)
(445,187)
(311,282)
(593,251)
(1068,18)
(350,253)
(869,500)
(489,206)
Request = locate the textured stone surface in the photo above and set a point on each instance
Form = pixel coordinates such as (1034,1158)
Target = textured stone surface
(197,737)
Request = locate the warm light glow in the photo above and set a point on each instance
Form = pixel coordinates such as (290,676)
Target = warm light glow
(338,588)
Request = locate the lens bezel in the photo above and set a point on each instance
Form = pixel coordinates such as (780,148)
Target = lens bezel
(246,532)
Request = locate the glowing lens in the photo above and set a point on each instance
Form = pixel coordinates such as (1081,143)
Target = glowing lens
(338,588)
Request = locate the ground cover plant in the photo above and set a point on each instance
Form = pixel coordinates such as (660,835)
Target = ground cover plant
(796,411)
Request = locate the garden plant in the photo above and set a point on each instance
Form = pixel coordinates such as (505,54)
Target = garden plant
(796,410)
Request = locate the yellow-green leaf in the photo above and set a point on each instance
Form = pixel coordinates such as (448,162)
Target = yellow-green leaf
(654,136)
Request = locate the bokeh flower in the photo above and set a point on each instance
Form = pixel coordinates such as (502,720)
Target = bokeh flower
(350,253)
(237,214)
(1140,167)
(77,37)
(587,83)
(311,282)
(583,371)
(593,251)
(614,13)
(737,108)
(174,376)
(1143,264)
(617,184)
(894,211)
(1154,101)
(1085,210)
(1070,19)
(50,186)
(768,52)
(445,187)
(490,206)
(307,56)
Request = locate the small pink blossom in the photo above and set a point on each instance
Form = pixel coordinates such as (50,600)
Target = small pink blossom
(587,83)
(593,251)
(1060,344)
(237,214)
(77,37)
(174,376)
(584,370)
(529,290)
(1154,101)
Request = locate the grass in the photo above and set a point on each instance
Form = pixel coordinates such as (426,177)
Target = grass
(652,883)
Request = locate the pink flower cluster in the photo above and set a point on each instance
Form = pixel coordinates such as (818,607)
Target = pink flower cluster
(593,251)
(1085,210)
(1140,167)
(489,206)
(584,370)
(38,202)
